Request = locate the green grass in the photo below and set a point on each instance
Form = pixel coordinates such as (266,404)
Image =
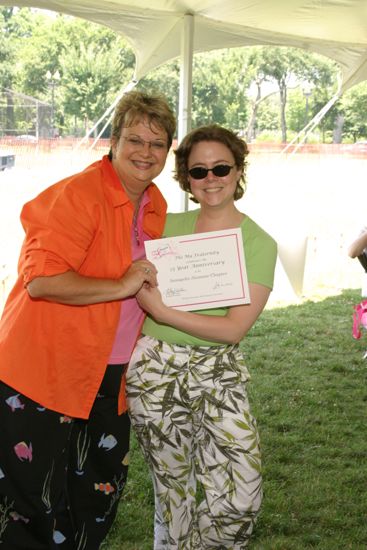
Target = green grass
(309,395)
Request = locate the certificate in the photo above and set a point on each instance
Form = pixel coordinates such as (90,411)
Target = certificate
(201,271)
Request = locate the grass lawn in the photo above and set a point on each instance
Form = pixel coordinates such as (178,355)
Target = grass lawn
(309,394)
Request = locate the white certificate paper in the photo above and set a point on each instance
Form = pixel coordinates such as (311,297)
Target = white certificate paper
(201,271)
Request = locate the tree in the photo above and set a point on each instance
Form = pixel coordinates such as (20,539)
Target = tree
(90,81)
(257,78)
(163,80)
(219,84)
(93,63)
(286,67)
(15,27)
(353,109)
(321,76)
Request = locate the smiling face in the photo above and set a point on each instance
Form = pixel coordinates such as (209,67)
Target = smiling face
(213,191)
(139,155)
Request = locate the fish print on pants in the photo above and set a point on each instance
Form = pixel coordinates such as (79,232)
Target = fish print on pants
(58,537)
(17,517)
(23,451)
(65,419)
(105,488)
(14,402)
(107,442)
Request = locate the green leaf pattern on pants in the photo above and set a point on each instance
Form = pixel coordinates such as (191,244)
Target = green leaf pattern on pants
(190,411)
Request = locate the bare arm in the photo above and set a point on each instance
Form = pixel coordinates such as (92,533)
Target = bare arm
(229,329)
(73,289)
(358,245)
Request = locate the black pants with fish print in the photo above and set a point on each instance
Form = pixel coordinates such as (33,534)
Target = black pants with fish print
(61,478)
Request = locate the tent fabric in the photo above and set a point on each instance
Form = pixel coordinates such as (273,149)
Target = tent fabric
(334,28)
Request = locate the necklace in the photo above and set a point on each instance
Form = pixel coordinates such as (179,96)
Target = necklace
(135,223)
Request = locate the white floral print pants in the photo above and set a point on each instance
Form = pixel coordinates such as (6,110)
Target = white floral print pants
(189,408)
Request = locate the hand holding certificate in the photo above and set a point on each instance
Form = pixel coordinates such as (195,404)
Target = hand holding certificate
(201,271)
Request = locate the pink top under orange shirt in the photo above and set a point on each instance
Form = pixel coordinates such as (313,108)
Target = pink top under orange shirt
(131,316)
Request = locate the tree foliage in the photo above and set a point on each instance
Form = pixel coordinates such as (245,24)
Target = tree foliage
(285,67)
(254,90)
(218,88)
(92,64)
(89,76)
(353,106)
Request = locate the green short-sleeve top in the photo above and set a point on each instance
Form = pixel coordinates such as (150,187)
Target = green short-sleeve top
(260,257)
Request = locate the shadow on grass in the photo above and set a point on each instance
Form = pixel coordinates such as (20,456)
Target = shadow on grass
(309,394)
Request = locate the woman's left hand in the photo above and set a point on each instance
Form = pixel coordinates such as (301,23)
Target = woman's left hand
(150,299)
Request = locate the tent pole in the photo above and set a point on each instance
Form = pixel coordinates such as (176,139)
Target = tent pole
(185,100)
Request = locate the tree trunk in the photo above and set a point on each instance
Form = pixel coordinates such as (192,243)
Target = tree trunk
(10,118)
(338,128)
(283,102)
(251,127)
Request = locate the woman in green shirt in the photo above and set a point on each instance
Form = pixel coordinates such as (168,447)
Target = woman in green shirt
(186,382)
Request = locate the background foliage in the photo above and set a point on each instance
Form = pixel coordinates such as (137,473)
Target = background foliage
(78,68)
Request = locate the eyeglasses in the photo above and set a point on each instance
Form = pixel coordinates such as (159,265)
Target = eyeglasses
(138,143)
(221,170)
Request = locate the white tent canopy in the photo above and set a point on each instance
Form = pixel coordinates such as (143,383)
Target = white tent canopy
(335,28)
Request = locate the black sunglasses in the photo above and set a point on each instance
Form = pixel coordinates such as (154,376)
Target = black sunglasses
(221,170)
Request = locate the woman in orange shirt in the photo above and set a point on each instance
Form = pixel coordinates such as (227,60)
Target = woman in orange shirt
(67,332)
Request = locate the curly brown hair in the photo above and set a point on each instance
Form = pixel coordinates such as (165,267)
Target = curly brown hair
(217,133)
(135,105)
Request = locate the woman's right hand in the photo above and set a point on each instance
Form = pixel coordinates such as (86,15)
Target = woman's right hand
(140,272)
(71,288)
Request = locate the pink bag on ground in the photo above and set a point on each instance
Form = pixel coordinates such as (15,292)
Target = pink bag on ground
(359,318)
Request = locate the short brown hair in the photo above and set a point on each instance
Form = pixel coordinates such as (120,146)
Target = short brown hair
(135,105)
(213,132)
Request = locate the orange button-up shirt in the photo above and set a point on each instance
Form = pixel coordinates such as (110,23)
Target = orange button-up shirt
(53,353)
